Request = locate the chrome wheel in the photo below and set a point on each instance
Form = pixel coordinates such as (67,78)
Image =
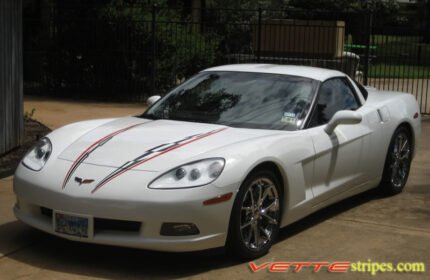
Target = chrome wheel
(397,162)
(400,160)
(259,214)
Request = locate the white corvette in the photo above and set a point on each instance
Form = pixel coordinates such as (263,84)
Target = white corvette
(225,159)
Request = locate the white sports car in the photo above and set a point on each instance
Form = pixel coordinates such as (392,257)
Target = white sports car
(225,159)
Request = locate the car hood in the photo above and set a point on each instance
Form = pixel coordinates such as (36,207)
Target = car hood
(152,145)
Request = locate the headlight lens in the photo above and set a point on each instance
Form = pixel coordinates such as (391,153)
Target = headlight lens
(190,175)
(37,157)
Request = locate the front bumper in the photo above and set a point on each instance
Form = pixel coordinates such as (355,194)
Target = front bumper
(35,200)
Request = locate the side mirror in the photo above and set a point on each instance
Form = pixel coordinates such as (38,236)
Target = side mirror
(151,100)
(342,117)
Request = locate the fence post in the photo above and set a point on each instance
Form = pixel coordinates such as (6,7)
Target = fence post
(260,11)
(369,23)
(153,48)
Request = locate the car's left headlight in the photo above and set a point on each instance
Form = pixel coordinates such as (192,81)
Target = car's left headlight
(37,157)
(190,175)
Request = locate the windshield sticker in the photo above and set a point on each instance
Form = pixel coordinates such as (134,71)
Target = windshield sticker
(289,118)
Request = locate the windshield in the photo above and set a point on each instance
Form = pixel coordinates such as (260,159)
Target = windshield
(239,99)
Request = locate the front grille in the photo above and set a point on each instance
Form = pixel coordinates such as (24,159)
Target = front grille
(117,225)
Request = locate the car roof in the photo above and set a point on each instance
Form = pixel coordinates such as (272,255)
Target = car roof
(315,73)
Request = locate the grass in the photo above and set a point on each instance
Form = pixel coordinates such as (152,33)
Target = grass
(399,71)
(401,49)
(397,57)
(391,47)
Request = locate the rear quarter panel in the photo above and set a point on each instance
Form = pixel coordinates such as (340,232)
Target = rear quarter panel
(395,109)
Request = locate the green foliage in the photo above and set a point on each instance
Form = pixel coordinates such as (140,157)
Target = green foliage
(329,5)
(248,4)
(110,50)
(378,6)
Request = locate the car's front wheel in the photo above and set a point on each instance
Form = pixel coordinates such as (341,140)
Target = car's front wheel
(397,162)
(256,214)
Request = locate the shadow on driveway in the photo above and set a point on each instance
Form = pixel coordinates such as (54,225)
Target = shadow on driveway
(55,254)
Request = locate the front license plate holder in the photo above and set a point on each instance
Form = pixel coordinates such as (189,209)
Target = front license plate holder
(74,225)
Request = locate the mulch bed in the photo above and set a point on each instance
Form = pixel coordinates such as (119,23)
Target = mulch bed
(33,131)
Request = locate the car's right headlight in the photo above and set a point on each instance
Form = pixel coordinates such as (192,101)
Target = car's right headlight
(37,157)
(190,175)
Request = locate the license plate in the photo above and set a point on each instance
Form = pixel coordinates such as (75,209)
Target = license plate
(73,225)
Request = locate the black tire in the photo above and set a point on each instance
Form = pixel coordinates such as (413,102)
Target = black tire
(397,162)
(241,241)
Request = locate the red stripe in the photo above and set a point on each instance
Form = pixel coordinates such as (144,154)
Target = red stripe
(91,146)
(157,155)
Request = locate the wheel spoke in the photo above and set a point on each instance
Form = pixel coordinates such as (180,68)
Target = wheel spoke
(251,196)
(403,145)
(251,193)
(271,220)
(266,233)
(260,194)
(394,170)
(405,156)
(246,225)
(248,238)
(399,141)
(402,174)
(274,206)
(256,236)
(265,194)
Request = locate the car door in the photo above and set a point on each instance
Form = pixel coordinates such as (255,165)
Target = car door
(337,161)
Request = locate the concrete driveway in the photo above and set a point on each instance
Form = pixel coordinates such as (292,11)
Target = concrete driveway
(55,113)
(367,227)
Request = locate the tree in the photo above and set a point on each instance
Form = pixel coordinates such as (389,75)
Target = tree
(427,29)
(247,4)
(104,48)
(377,6)
(424,12)
(329,5)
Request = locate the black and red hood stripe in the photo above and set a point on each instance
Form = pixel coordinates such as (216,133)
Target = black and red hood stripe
(86,153)
(152,154)
(148,155)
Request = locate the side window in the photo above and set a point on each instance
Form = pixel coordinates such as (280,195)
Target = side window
(334,95)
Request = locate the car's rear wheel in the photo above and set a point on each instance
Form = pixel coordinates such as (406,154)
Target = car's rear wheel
(397,162)
(256,215)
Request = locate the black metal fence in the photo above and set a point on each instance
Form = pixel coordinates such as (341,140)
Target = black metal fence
(130,52)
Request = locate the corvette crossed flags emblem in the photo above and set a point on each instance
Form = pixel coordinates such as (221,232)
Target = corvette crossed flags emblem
(81,181)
